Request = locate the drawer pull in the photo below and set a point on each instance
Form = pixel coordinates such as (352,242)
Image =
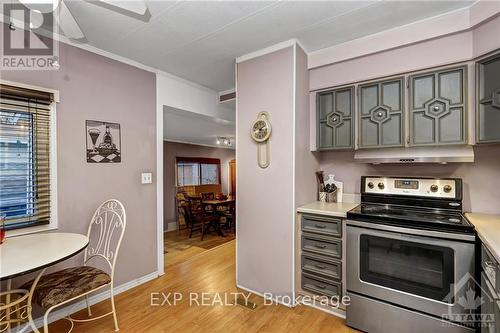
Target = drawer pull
(320,286)
(320,246)
(320,226)
(320,266)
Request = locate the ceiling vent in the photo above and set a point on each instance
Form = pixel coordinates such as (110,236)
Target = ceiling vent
(227,96)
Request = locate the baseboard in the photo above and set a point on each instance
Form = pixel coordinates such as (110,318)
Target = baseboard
(262,295)
(94,299)
(171,226)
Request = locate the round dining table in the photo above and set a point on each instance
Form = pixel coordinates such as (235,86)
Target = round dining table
(34,253)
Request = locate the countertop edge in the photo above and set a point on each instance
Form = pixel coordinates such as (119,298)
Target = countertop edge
(474,219)
(321,212)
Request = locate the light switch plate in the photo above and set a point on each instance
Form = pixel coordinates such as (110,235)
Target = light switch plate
(146,178)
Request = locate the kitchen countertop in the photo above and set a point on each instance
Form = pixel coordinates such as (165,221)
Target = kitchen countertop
(337,209)
(488,230)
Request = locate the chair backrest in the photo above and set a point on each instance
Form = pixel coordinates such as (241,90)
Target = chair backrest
(105,233)
(207,196)
(188,215)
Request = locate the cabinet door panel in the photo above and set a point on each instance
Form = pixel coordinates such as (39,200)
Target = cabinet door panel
(438,103)
(325,105)
(343,135)
(325,135)
(448,131)
(335,125)
(423,91)
(381,115)
(369,99)
(422,129)
(450,86)
(488,100)
(391,132)
(370,133)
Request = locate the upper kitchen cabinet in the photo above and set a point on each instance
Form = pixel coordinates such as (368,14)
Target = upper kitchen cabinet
(488,97)
(438,107)
(335,112)
(381,114)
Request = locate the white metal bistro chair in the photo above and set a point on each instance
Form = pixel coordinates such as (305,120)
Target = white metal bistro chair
(105,234)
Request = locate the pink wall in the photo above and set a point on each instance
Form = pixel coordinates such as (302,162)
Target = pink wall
(306,163)
(98,88)
(276,82)
(171,150)
(265,205)
(481,179)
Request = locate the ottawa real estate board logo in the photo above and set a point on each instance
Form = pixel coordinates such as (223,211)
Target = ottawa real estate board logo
(28,41)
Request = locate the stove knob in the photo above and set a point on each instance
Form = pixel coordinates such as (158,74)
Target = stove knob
(370,185)
(447,188)
(381,186)
(434,188)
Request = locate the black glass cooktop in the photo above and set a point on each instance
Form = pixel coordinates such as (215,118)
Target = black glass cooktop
(415,217)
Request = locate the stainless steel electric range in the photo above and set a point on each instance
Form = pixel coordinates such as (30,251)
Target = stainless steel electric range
(410,257)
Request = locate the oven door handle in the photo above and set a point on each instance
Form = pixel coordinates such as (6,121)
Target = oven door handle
(410,232)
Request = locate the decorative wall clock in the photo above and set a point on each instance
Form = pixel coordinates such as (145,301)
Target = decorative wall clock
(261,132)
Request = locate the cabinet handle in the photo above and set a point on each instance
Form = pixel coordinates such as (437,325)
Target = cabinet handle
(320,246)
(320,226)
(320,266)
(320,286)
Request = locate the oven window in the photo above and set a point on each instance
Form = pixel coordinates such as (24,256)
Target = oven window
(415,268)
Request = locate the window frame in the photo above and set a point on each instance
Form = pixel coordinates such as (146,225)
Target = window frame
(53,222)
(199,161)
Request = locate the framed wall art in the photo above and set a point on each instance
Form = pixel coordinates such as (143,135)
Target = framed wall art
(103,142)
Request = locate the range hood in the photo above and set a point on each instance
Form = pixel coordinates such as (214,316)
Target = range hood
(443,154)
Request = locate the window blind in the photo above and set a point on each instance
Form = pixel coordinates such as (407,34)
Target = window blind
(25,122)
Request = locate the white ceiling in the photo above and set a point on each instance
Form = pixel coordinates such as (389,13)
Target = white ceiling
(195,128)
(199,40)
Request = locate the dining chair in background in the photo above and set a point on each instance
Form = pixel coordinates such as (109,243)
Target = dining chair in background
(197,221)
(56,289)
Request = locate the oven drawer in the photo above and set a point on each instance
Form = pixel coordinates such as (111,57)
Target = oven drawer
(490,267)
(321,245)
(318,265)
(321,286)
(322,225)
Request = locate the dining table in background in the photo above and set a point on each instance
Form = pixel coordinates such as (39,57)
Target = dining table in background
(35,253)
(230,202)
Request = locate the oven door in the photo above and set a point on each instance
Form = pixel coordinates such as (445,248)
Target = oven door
(414,271)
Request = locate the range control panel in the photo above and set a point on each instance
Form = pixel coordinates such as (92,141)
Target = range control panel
(423,187)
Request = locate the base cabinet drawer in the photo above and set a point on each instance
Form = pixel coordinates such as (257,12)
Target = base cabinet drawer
(318,245)
(318,265)
(489,308)
(322,225)
(321,286)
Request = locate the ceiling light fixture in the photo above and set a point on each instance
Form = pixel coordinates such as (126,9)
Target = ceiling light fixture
(222,140)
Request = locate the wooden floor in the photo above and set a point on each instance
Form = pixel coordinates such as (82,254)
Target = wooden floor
(212,271)
(179,247)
